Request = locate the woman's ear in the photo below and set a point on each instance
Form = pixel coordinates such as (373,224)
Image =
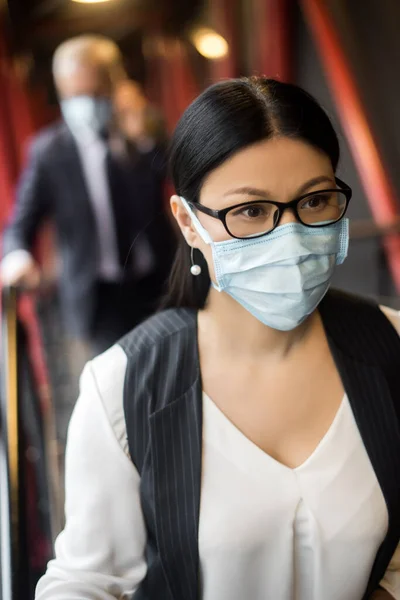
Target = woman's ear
(184,221)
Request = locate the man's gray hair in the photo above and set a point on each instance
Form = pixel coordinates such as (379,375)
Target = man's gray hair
(88,49)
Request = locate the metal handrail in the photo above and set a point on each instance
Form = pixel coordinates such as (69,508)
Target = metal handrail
(21,397)
(9,451)
(363,229)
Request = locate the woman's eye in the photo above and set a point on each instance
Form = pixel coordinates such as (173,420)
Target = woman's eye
(254,211)
(315,202)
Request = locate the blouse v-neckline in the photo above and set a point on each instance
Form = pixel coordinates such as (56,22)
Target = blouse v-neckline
(232,442)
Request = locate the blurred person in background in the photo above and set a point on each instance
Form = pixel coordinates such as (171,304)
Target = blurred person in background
(115,246)
(140,121)
(142,145)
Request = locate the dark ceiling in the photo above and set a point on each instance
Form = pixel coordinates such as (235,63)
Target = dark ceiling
(46,22)
(36,27)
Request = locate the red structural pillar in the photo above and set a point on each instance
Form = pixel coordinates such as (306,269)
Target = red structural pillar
(224,18)
(8,161)
(378,189)
(8,151)
(171,79)
(21,117)
(17,125)
(272,38)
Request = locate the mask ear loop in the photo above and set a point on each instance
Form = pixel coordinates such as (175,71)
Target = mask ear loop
(194,269)
(205,236)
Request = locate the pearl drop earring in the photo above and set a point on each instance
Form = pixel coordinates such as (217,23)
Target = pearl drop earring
(194,269)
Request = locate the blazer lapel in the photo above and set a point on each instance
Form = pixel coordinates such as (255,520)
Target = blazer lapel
(372,405)
(71,172)
(176,432)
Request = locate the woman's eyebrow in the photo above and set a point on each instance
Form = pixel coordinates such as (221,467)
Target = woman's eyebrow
(249,191)
(315,181)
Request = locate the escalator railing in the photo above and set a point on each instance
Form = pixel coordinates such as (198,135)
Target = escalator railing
(364,229)
(28,469)
(9,451)
(367,229)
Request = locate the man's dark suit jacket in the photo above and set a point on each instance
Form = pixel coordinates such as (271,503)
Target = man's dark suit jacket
(53,186)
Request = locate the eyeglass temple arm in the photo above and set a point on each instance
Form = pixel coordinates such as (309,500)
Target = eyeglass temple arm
(342,184)
(204,209)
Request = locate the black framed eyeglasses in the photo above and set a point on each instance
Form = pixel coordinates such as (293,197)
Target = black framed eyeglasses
(255,219)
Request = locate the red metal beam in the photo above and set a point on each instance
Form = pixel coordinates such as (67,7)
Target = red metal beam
(171,79)
(378,189)
(224,14)
(8,150)
(272,53)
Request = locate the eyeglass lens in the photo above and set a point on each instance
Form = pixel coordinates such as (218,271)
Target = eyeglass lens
(252,219)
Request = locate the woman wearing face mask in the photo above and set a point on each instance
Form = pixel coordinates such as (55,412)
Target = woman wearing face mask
(244,443)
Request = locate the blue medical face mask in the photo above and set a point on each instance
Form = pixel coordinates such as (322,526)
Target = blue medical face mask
(87,114)
(279,278)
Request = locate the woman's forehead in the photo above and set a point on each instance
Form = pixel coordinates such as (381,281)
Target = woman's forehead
(277,167)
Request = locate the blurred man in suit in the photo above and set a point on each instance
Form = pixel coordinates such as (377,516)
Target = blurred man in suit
(115,243)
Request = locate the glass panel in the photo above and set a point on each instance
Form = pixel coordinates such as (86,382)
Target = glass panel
(322,207)
(252,219)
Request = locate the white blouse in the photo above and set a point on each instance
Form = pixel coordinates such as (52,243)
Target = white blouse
(265,531)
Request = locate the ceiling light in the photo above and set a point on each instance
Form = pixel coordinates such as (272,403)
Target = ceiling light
(90,1)
(209,43)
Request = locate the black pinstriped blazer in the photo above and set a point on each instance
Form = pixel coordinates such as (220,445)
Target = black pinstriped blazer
(163,411)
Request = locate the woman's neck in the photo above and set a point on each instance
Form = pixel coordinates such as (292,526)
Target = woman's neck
(230,328)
